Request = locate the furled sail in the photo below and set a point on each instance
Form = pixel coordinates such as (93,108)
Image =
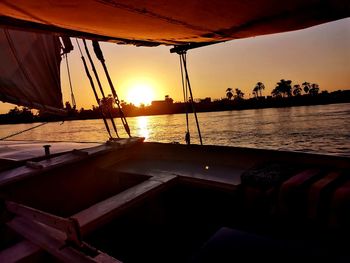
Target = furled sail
(30,70)
(171,22)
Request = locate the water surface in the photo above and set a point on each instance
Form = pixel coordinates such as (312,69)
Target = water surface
(320,129)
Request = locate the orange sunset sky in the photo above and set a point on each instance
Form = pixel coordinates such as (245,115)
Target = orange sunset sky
(320,54)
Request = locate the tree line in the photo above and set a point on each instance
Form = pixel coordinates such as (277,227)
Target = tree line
(283,95)
(283,88)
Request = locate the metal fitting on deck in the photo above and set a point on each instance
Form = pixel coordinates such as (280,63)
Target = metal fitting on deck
(47,149)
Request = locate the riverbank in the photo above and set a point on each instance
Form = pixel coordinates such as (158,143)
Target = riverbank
(167,106)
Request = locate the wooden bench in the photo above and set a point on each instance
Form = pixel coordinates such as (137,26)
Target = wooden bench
(103,212)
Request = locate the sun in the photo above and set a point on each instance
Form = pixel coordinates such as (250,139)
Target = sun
(140,94)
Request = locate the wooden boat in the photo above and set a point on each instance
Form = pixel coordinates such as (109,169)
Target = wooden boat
(134,201)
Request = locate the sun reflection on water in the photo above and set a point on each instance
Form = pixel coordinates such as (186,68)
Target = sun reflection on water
(142,125)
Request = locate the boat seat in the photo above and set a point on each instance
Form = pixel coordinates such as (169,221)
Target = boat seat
(319,196)
(339,217)
(298,201)
(230,245)
(293,194)
(260,186)
(105,211)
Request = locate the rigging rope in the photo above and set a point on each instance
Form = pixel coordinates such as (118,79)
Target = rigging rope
(183,58)
(94,90)
(184,90)
(99,55)
(100,86)
(17,133)
(70,84)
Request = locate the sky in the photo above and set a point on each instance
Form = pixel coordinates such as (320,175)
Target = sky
(320,54)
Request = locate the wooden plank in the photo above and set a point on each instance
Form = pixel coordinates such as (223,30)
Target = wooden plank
(163,178)
(104,258)
(22,172)
(68,226)
(102,212)
(207,183)
(22,151)
(22,251)
(51,240)
(46,239)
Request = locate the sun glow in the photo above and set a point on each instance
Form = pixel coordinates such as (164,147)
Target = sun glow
(140,94)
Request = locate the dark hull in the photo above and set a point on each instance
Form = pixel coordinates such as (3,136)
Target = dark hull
(153,202)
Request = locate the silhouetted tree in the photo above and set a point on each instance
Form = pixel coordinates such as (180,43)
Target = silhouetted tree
(26,113)
(276,92)
(239,94)
(256,92)
(68,107)
(229,93)
(296,90)
(70,110)
(306,87)
(14,112)
(314,89)
(259,87)
(20,115)
(284,87)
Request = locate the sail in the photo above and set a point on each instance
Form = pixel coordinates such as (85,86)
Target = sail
(30,69)
(171,22)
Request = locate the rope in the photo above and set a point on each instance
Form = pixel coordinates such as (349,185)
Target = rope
(94,90)
(184,90)
(70,84)
(99,55)
(184,62)
(17,133)
(99,85)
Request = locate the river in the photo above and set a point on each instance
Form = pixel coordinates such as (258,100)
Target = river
(321,129)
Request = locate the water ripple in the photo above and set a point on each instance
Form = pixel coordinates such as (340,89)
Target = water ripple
(318,129)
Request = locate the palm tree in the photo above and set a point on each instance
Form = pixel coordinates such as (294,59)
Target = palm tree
(276,92)
(239,94)
(284,87)
(314,89)
(306,87)
(229,93)
(296,90)
(260,86)
(256,92)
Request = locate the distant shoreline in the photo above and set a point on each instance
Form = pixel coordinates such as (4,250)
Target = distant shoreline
(167,106)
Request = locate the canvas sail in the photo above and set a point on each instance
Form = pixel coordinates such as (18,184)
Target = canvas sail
(30,70)
(171,22)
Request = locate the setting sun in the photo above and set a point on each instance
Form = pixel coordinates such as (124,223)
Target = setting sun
(140,94)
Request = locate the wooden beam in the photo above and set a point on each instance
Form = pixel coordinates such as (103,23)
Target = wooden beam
(51,240)
(103,212)
(23,251)
(68,226)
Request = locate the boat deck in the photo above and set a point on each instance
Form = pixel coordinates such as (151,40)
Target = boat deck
(195,170)
(24,150)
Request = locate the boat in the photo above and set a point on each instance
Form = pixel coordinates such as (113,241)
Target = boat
(128,200)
